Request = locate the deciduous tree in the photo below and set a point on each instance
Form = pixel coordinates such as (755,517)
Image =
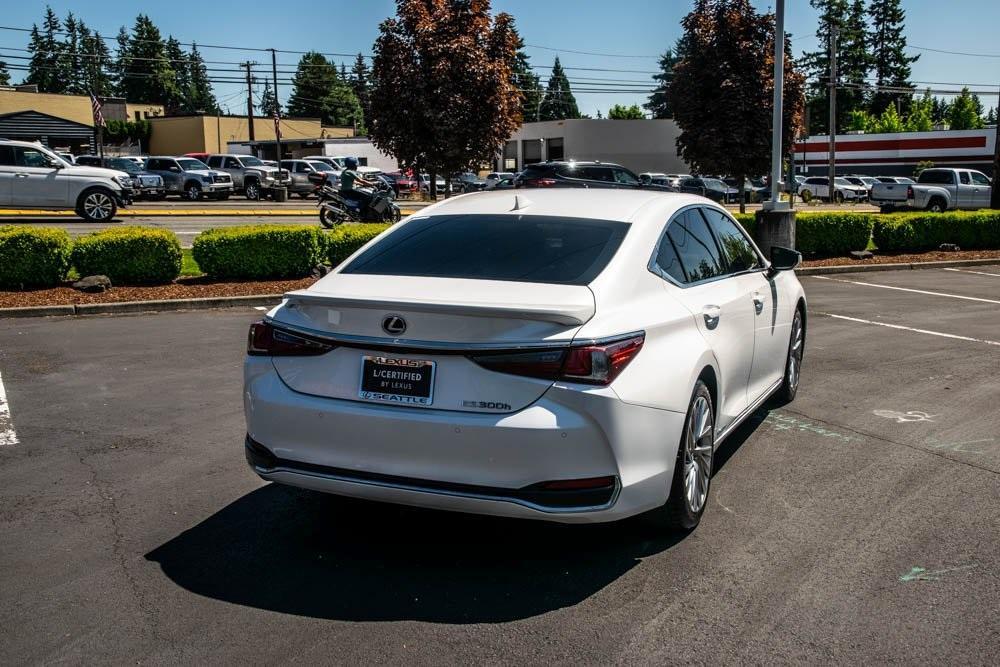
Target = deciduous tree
(622,112)
(443,97)
(558,102)
(962,113)
(723,90)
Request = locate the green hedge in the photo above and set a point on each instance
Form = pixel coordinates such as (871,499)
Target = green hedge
(259,252)
(908,232)
(129,255)
(344,240)
(820,233)
(33,256)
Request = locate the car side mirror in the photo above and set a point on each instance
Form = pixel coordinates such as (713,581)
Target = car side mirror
(783,259)
(55,164)
(175,169)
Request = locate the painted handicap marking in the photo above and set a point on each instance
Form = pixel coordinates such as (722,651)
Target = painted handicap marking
(784,422)
(903,417)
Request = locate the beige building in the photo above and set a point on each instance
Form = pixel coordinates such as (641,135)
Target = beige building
(70,107)
(175,135)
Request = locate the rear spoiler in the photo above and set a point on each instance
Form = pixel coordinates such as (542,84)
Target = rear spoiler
(561,313)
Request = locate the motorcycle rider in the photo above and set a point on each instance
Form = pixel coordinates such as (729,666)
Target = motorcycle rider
(350,179)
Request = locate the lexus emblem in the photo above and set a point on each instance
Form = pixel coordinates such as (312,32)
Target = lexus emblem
(394,325)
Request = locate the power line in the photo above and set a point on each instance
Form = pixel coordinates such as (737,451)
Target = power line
(954,53)
(590,53)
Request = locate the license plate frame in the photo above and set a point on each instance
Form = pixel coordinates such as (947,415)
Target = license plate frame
(371,387)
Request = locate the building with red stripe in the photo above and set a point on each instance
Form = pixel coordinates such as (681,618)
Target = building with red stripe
(897,154)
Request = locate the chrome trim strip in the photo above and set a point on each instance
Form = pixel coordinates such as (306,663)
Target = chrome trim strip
(749,410)
(444,346)
(454,494)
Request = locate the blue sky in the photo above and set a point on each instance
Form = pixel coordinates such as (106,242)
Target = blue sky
(635,28)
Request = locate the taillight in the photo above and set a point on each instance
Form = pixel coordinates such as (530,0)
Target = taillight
(266,340)
(590,364)
(909,192)
(540,182)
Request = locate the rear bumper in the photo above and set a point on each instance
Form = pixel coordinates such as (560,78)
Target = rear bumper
(470,462)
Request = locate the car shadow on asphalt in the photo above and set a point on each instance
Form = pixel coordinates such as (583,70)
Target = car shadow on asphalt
(299,552)
(310,554)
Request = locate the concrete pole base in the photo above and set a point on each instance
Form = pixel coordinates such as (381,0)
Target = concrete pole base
(774,228)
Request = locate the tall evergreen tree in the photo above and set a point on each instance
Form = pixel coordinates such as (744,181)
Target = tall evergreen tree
(962,113)
(659,101)
(72,60)
(119,67)
(200,98)
(991,116)
(832,14)
(96,63)
(268,101)
(319,92)
(178,62)
(887,46)
(148,76)
(527,83)
(939,110)
(558,102)
(360,81)
(4,74)
(853,61)
(47,67)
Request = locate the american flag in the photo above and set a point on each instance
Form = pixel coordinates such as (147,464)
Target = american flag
(98,116)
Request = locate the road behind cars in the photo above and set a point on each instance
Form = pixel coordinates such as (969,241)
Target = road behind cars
(857,523)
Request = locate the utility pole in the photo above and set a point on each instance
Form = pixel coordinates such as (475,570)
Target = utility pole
(777,116)
(277,114)
(247,65)
(995,190)
(832,150)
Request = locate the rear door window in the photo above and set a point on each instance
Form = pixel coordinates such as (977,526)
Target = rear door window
(523,248)
(963,177)
(215,162)
(736,248)
(932,177)
(604,174)
(695,245)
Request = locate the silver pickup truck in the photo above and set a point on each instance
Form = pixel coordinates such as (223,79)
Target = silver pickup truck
(250,175)
(935,190)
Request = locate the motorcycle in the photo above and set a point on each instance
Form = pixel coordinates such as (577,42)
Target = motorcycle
(335,208)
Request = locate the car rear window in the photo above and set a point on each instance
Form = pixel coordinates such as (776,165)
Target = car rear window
(933,177)
(523,248)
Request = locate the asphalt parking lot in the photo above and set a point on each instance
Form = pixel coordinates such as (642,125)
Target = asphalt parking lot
(859,523)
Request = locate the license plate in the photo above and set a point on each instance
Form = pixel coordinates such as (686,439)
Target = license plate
(392,380)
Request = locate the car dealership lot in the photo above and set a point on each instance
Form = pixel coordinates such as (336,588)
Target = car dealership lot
(857,523)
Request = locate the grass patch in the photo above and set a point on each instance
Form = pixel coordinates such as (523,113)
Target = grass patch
(189,267)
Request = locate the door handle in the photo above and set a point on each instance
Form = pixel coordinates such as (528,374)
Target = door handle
(20,175)
(758,302)
(711,315)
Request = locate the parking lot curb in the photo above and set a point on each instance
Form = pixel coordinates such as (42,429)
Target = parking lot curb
(125,307)
(864,268)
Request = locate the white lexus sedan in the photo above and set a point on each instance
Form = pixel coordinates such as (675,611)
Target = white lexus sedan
(571,355)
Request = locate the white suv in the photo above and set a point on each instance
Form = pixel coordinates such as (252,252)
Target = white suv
(32,176)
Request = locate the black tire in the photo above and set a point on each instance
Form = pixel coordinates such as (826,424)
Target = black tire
(96,205)
(328,220)
(193,191)
(793,360)
(886,208)
(683,510)
(937,205)
(806,195)
(251,190)
(304,195)
(838,197)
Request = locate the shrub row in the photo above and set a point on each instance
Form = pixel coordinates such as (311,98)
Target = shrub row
(33,257)
(276,251)
(833,233)
(129,255)
(970,230)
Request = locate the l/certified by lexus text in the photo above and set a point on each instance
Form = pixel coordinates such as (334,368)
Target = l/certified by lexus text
(569,355)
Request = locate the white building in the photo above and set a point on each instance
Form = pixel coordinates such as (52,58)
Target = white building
(639,145)
(359,147)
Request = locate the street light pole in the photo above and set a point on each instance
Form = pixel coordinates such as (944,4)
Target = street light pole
(778,115)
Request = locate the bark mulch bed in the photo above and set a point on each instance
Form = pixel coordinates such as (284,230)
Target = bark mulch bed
(905,258)
(188,288)
(183,288)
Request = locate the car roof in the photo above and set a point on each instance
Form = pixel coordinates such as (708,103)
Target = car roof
(598,204)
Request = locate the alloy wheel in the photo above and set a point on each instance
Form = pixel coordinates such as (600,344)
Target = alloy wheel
(252,191)
(698,444)
(98,206)
(794,364)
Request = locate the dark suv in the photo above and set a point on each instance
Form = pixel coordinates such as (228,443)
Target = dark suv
(580,175)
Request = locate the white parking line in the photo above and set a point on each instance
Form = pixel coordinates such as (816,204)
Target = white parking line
(978,273)
(923,331)
(907,289)
(7,434)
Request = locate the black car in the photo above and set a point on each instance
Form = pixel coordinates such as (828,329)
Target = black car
(713,188)
(467,182)
(144,184)
(580,175)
